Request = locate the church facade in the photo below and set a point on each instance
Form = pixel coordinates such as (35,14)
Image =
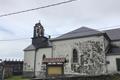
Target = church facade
(87,51)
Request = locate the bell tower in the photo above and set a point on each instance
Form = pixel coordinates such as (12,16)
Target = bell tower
(39,40)
(38,30)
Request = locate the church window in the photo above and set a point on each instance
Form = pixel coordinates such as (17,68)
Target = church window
(43,57)
(118,64)
(75,56)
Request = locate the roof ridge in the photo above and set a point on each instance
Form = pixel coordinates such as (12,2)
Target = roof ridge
(83,27)
(90,28)
(111,29)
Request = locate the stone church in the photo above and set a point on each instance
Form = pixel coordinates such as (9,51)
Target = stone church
(87,51)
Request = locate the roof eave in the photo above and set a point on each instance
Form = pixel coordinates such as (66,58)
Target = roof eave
(115,40)
(37,48)
(110,54)
(29,50)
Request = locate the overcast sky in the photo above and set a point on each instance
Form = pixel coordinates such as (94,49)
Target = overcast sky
(97,14)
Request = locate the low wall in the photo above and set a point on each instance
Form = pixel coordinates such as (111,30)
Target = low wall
(102,77)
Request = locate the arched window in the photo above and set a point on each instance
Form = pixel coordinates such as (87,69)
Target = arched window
(75,56)
(43,57)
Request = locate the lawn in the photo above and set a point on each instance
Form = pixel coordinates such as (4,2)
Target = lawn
(17,78)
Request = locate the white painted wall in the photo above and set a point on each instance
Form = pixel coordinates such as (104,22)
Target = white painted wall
(39,56)
(112,67)
(28,61)
(106,43)
(117,43)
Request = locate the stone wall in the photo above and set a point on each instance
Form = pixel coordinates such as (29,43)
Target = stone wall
(91,58)
(91,53)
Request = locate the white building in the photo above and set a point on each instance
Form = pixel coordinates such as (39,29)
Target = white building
(87,51)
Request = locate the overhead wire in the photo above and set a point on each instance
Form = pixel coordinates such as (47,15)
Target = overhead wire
(55,4)
(33,9)
(55,34)
(14,39)
(28,10)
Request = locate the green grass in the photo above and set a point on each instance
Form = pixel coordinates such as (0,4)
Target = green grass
(17,78)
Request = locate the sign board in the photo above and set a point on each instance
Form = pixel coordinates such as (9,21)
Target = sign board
(54,70)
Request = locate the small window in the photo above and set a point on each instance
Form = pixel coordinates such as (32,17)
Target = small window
(44,57)
(118,64)
(75,56)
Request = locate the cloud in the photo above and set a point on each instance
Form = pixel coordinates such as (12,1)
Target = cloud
(13,49)
(2,29)
(56,20)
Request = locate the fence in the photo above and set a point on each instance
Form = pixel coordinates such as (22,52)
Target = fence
(1,72)
(13,67)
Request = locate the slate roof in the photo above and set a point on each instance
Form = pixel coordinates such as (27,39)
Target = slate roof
(114,51)
(30,47)
(114,34)
(54,60)
(80,32)
(39,42)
